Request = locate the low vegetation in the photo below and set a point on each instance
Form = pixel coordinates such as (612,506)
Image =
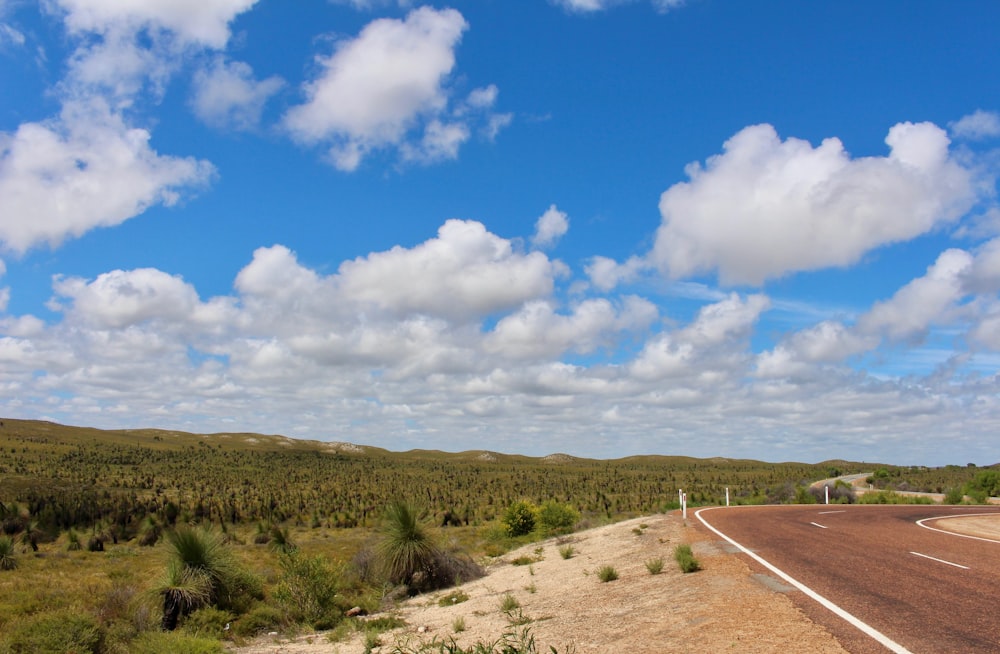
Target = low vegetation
(685,559)
(654,566)
(607,573)
(166,542)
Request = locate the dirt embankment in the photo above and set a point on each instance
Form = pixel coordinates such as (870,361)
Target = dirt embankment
(565,605)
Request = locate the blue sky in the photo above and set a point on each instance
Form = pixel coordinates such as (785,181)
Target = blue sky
(601,227)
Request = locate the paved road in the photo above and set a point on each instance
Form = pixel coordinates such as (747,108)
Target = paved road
(925,591)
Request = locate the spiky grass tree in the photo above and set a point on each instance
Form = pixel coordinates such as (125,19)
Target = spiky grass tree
(8,561)
(183,589)
(281,541)
(406,552)
(30,535)
(200,570)
(204,551)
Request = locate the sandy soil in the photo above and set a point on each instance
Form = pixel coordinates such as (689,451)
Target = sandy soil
(722,607)
(980,526)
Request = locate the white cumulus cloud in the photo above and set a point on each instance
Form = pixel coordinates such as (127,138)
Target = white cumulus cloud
(537,330)
(374,88)
(977,125)
(924,301)
(464,273)
(767,207)
(589,6)
(550,227)
(86,169)
(226,94)
(202,22)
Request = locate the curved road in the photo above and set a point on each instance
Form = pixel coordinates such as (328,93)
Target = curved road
(924,591)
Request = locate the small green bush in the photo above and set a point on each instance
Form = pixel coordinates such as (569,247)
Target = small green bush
(452,598)
(685,559)
(513,641)
(892,497)
(172,642)
(259,620)
(458,625)
(508,603)
(556,518)
(519,519)
(52,633)
(655,566)
(207,622)
(384,623)
(607,573)
(523,560)
(954,495)
(566,551)
(307,589)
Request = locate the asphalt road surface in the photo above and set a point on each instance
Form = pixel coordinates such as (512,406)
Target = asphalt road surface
(911,588)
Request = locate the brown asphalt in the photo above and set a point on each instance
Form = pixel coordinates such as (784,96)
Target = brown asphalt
(871,560)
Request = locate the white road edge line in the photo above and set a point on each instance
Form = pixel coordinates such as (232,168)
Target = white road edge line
(864,627)
(964,567)
(826,512)
(953,533)
(816,524)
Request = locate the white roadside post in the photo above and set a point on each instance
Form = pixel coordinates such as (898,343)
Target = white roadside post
(727,497)
(826,490)
(684,505)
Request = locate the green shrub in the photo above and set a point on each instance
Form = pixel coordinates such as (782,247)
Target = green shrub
(523,560)
(803,496)
(508,603)
(954,495)
(452,598)
(458,625)
(513,641)
(655,566)
(160,642)
(556,518)
(566,551)
(892,497)
(307,590)
(260,620)
(519,519)
(208,622)
(685,559)
(607,573)
(52,633)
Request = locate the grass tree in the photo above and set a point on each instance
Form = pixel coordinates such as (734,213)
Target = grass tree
(30,535)
(184,590)
(8,561)
(201,569)
(406,551)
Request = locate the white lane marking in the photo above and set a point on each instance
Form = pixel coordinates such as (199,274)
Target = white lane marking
(952,533)
(864,627)
(816,524)
(964,567)
(826,512)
